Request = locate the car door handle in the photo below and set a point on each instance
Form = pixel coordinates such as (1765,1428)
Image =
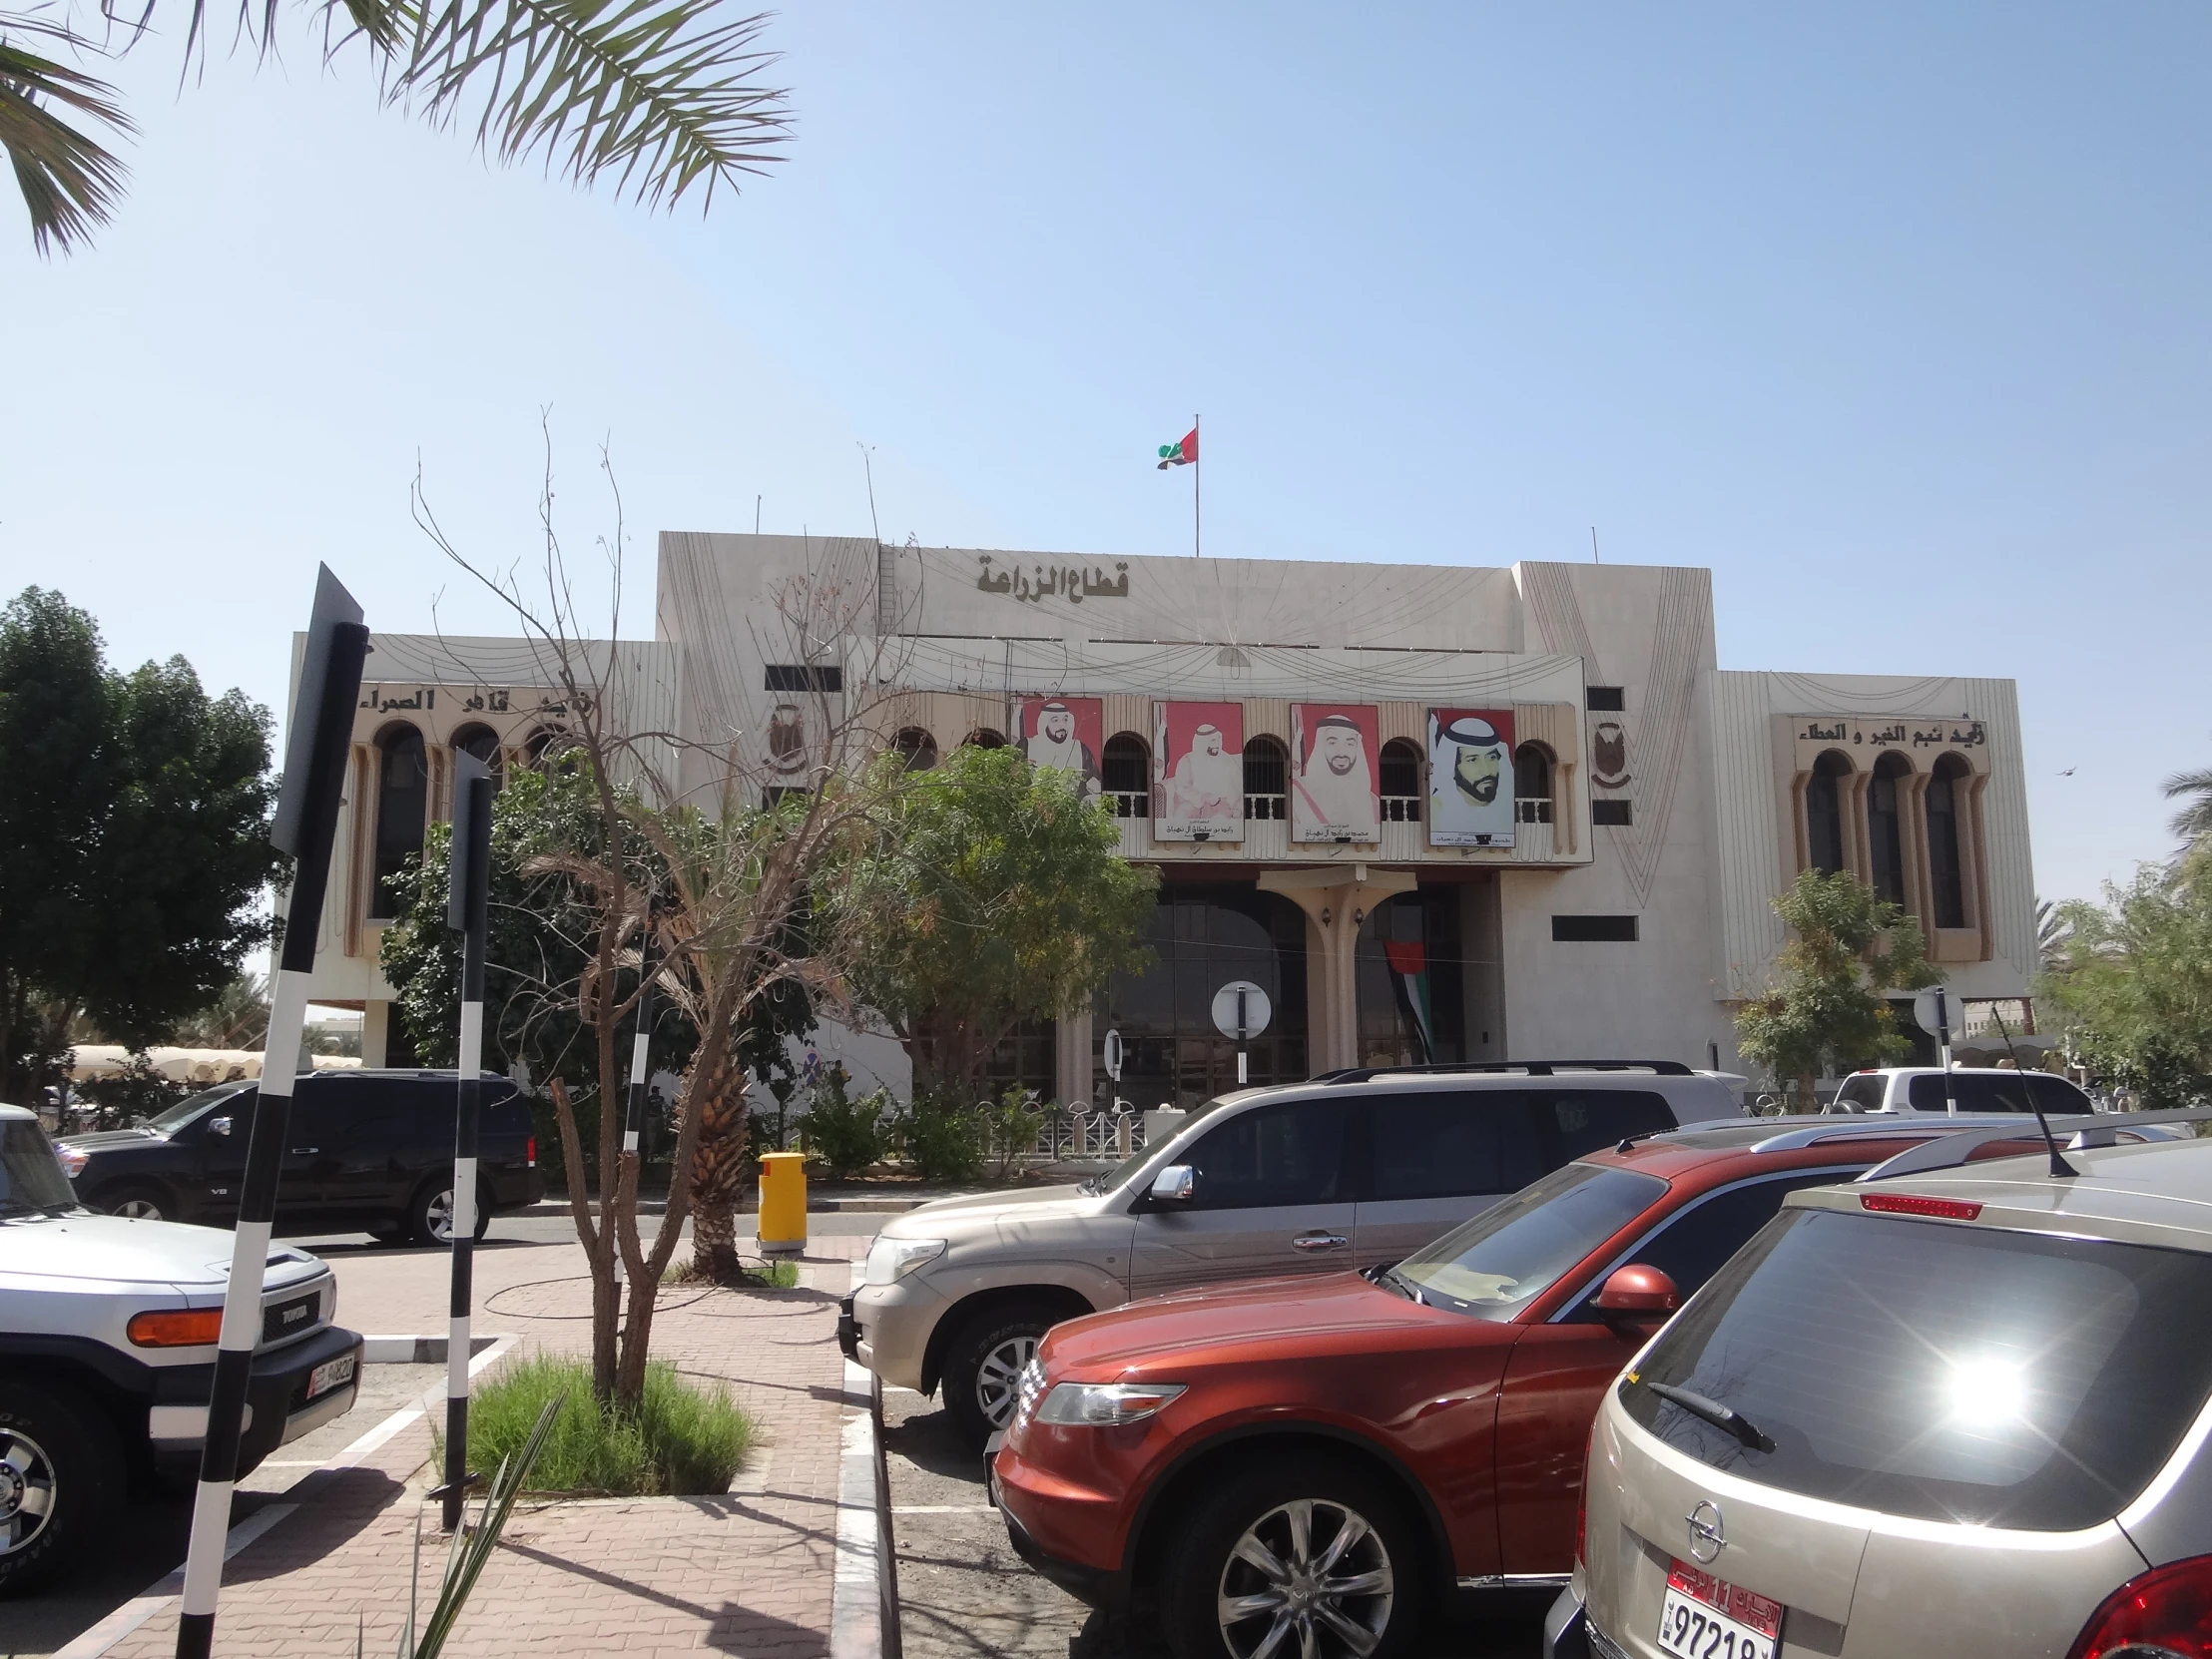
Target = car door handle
(304,1151)
(1320,1240)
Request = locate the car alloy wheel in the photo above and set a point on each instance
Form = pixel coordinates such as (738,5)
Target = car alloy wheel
(1309,1579)
(437,1216)
(26,1490)
(138,1209)
(998,1377)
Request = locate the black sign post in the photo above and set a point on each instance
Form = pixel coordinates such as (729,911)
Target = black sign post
(640,1050)
(305,826)
(467,903)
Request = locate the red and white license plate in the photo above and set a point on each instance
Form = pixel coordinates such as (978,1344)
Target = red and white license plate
(1704,1617)
(329,1375)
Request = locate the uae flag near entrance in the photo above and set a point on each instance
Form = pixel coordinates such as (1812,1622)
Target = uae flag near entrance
(1184,453)
(1409,980)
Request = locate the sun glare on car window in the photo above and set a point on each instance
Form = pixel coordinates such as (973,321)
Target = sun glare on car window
(1985,1390)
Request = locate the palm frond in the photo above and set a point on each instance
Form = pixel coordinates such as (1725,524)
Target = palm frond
(69,181)
(643,89)
(2194,820)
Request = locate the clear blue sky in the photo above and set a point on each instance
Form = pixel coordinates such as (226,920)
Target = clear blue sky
(1894,316)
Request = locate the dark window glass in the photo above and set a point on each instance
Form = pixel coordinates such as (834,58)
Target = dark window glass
(1998,1091)
(402,802)
(791,676)
(1447,1145)
(1606,699)
(917,749)
(1266,770)
(1824,813)
(1125,773)
(1621,813)
(1691,1248)
(1274,1155)
(1943,868)
(31,1176)
(483,742)
(985,737)
(1496,1264)
(1593,930)
(1954,1373)
(1533,784)
(1884,831)
(1576,1121)
(1397,781)
(1863,1094)
(2055,1094)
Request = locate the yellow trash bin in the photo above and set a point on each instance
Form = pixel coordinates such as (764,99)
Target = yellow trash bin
(783,1203)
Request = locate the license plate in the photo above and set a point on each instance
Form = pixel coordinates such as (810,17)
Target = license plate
(1704,1617)
(287,1318)
(330,1375)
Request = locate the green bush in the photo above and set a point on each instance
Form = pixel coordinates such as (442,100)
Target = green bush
(682,1439)
(940,1135)
(843,1134)
(1010,1125)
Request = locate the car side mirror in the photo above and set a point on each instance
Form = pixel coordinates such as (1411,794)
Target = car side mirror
(219,1126)
(1176,1184)
(1638,1291)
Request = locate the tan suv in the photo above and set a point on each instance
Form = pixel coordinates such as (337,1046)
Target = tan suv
(1942,1411)
(1351,1170)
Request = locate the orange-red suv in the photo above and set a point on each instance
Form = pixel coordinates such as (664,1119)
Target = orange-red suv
(1292,1468)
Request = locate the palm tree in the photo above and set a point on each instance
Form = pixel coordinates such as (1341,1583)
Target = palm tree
(2052,932)
(652,92)
(2195,818)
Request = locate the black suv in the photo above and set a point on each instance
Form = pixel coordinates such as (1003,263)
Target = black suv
(368,1151)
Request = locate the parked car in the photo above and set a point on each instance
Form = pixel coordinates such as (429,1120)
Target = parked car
(1962,1412)
(368,1151)
(1975,1089)
(1312,1459)
(1350,1169)
(106,1354)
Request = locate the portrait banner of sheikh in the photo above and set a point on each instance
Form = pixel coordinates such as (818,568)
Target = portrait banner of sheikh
(1064,732)
(1200,792)
(1471,778)
(1333,787)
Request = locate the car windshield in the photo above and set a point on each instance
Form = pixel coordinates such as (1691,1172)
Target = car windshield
(1939,1371)
(188,1108)
(1121,1172)
(1495,1265)
(31,1177)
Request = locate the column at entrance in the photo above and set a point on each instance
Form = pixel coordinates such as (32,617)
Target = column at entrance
(1071,1058)
(1336,900)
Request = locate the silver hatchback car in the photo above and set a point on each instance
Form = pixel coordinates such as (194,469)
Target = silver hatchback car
(1962,1411)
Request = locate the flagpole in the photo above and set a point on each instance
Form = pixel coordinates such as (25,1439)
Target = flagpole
(1198,474)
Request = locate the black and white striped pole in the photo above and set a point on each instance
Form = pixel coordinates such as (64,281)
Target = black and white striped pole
(634,1122)
(466,912)
(305,826)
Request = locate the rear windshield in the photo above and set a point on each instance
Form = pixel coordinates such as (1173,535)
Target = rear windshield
(1996,1091)
(30,1176)
(1495,1265)
(1944,1372)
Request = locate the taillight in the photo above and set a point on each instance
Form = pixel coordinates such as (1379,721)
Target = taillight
(2167,1611)
(530,1152)
(1906,1203)
(180,1327)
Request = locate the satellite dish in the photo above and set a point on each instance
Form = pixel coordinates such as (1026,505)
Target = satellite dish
(1241,1010)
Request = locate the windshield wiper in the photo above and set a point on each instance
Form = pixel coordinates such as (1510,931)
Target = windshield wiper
(1402,1285)
(1088,1187)
(1714,1412)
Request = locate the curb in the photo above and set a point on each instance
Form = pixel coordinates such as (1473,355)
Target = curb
(863,1597)
(415,1350)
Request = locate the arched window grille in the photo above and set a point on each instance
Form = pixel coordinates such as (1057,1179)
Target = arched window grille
(1533,784)
(483,742)
(1125,770)
(1946,867)
(1266,774)
(402,806)
(1399,781)
(1886,826)
(917,749)
(1824,813)
(985,737)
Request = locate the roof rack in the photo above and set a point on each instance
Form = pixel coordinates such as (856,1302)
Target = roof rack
(1535,1068)
(1953,1150)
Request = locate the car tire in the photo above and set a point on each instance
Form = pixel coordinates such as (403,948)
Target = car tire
(62,1481)
(138,1199)
(430,1212)
(983,1361)
(390,1235)
(1218,1603)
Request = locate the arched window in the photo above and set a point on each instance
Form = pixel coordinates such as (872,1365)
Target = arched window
(1885,828)
(985,737)
(483,742)
(1126,772)
(403,802)
(1533,784)
(1398,782)
(1266,770)
(917,749)
(546,739)
(1945,869)
(1824,813)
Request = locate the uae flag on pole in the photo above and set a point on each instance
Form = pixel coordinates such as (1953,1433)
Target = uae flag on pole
(1180,454)
(1408,964)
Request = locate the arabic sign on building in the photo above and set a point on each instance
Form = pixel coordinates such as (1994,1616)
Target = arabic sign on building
(1065,732)
(1863,739)
(1333,795)
(1471,778)
(1035,584)
(1199,795)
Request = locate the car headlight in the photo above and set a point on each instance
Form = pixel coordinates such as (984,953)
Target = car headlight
(891,1259)
(72,1160)
(1105,1404)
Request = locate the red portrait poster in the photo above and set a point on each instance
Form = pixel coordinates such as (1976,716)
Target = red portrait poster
(1065,732)
(1200,792)
(1333,748)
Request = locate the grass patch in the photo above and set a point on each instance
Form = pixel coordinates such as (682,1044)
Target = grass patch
(681,1439)
(778,1274)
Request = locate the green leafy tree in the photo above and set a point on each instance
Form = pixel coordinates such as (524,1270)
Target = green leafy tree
(134,841)
(1826,1013)
(2194,788)
(2132,983)
(656,93)
(993,895)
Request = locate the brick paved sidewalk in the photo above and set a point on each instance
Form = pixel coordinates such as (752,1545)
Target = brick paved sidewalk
(748,1572)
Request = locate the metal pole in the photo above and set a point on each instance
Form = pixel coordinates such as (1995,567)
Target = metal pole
(466,909)
(1942,1038)
(634,1124)
(305,826)
(1198,473)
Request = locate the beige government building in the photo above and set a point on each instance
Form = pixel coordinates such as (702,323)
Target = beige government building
(1434,812)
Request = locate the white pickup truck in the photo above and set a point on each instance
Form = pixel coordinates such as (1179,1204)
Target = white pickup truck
(107,1351)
